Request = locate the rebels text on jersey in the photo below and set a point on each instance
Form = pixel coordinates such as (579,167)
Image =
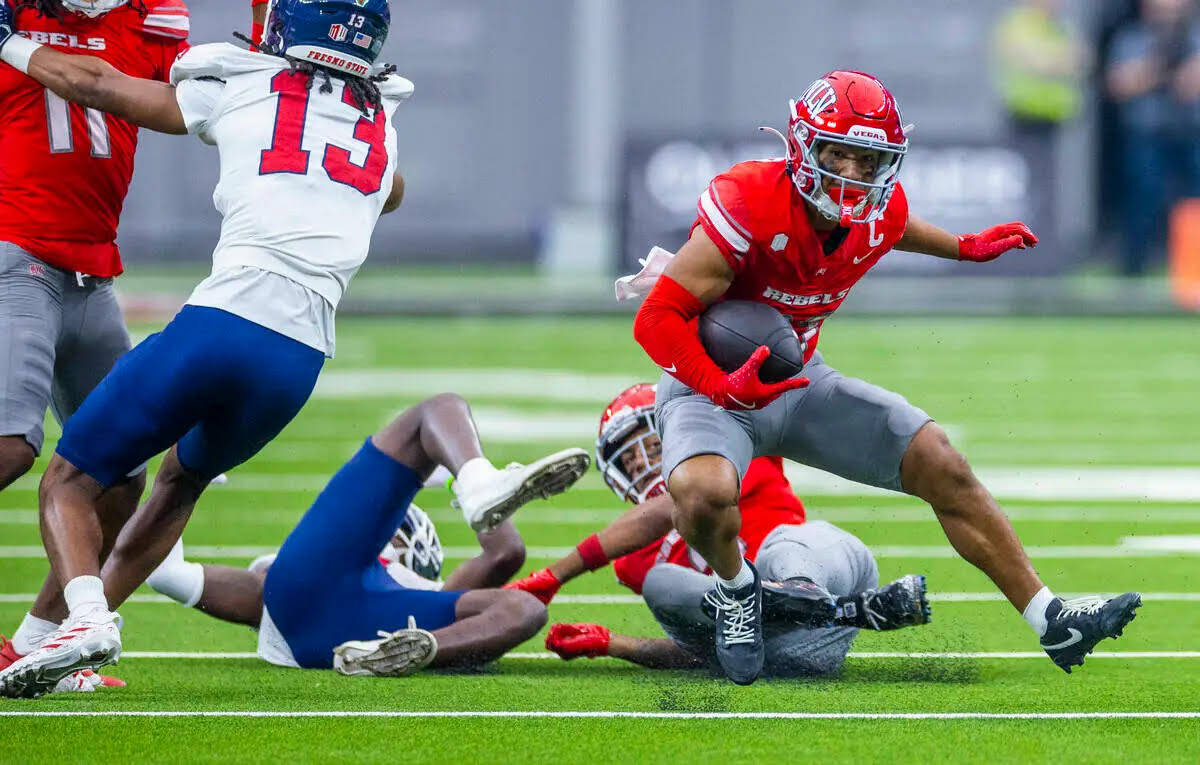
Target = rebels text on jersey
(767,502)
(65,170)
(757,219)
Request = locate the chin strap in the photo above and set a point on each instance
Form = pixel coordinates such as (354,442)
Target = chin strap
(790,167)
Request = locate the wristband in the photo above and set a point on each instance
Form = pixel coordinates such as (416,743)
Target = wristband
(17,51)
(592,553)
(256,33)
(256,3)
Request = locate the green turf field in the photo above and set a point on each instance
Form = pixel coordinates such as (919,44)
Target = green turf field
(1074,422)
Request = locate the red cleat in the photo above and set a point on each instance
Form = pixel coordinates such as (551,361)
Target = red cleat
(542,584)
(570,641)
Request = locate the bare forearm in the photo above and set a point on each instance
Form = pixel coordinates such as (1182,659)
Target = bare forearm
(502,555)
(653,653)
(94,83)
(633,530)
(397,196)
(924,237)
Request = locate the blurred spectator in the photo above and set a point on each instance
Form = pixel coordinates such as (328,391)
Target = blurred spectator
(1038,64)
(1153,76)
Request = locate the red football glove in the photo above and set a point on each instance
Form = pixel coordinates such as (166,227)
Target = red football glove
(993,242)
(744,390)
(542,584)
(570,641)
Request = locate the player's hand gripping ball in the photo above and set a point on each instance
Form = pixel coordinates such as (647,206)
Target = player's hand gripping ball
(731,331)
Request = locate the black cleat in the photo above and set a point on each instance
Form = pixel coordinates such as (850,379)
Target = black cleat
(902,603)
(1075,626)
(798,601)
(739,617)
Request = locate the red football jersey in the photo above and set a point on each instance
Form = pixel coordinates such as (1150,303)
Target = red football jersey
(757,218)
(767,501)
(65,170)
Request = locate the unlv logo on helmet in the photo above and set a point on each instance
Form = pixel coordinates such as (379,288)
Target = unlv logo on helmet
(819,96)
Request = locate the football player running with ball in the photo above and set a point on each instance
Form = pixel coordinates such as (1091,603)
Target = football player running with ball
(797,234)
(303,125)
(64,174)
(820,582)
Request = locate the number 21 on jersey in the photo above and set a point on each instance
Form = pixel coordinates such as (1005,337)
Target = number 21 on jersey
(287,156)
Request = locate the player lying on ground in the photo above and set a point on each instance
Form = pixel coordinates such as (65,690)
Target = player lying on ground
(797,234)
(326,600)
(241,358)
(64,174)
(829,574)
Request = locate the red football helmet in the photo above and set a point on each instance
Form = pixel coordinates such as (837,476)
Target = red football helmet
(93,8)
(629,436)
(854,109)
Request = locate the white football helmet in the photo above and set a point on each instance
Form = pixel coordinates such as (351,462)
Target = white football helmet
(417,545)
(93,8)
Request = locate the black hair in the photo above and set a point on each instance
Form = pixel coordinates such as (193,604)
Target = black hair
(55,9)
(365,90)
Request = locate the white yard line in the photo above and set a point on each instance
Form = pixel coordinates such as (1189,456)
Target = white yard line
(629,600)
(239,552)
(540,655)
(605,714)
(1066,483)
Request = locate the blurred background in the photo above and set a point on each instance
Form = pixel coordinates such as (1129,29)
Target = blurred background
(551,143)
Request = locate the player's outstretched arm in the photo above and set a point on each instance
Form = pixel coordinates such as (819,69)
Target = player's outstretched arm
(633,530)
(93,82)
(570,641)
(989,244)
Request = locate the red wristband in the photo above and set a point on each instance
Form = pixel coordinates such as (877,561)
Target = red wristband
(592,553)
(256,33)
(256,3)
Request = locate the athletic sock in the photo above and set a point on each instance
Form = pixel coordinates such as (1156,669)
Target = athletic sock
(84,594)
(743,578)
(472,472)
(32,633)
(177,578)
(1035,612)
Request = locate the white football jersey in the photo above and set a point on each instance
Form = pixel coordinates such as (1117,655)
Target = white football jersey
(304,174)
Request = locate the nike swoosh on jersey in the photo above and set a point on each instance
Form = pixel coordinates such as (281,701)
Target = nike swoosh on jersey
(1076,636)
(669,370)
(860,260)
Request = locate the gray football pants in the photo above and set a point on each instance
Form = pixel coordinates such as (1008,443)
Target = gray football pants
(58,339)
(835,559)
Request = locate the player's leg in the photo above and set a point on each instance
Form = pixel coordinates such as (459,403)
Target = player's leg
(223,592)
(706,450)
(675,596)
(501,556)
(92,338)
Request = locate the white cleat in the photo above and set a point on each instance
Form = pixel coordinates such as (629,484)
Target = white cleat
(394,654)
(90,642)
(488,500)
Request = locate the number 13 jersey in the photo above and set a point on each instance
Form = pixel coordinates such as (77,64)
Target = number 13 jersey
(304,173)
(65,170)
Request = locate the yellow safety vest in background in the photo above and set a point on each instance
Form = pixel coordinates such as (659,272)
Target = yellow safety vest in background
(1028,92)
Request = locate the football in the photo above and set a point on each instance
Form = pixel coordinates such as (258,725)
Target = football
(731,330)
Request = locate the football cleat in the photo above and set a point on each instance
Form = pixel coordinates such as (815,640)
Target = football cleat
(489,500)
(798,601)
(84,681)
(1073,627)
(394,654)
(739,621)
(903,603)
(90,642)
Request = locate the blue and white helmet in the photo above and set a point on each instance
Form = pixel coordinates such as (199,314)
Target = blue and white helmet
(93,8)
(346,35)
(417,546)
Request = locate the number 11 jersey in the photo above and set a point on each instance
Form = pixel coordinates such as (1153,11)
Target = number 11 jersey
(304,171)
(65,170)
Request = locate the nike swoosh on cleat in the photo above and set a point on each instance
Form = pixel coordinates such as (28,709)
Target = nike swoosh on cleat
(1076,636)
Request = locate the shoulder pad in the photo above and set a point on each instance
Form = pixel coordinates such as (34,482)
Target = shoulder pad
(220,60)
(167,18)
(396,88)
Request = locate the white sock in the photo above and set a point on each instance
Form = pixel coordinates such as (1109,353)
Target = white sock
(743,577)
(472,472)
(83,594)
(178,579)
(32,633)
(1035,612)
